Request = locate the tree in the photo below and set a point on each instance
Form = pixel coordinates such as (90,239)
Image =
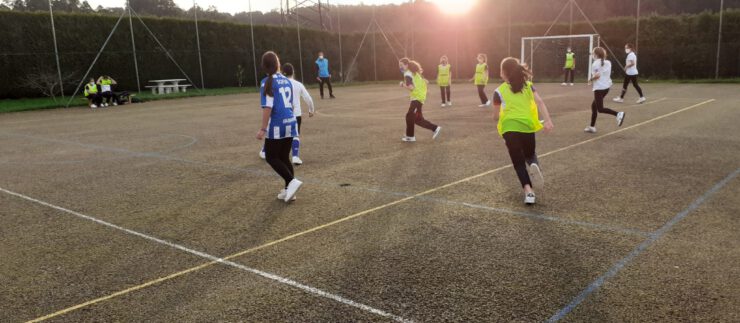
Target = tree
(166,8)
(46,83)
(37,5)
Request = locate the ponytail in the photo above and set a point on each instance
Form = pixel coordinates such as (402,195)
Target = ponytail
(271,64)
(516,74)
(600,54)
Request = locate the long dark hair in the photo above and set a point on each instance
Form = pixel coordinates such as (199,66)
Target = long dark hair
(288,69)
(414,66)
(601,54)
(271,65)
(516,74)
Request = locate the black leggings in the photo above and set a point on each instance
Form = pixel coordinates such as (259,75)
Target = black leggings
(482,94)
(445,91)
(521,148)
(598,106)
(277,154)
(569,75)
(327,81)
(414,116)
(627,80)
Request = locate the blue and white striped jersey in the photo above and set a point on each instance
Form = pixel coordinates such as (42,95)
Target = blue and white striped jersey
(282,123)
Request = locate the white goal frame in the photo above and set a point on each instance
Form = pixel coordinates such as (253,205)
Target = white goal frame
(594,40)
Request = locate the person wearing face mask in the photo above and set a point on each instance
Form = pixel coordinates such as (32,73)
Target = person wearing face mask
(570,64)
(443,80)
(480,79)
(322,67)
(630,71)
(601,72)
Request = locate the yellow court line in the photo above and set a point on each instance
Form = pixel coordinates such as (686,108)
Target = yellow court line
(347,218)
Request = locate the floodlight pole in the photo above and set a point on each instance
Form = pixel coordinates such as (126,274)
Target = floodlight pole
(508,39)
(56,49)
(197,42)
(637,28)
(254,55)
(719,37)
(339,37)
(298,29)
(133,45)
(375,57)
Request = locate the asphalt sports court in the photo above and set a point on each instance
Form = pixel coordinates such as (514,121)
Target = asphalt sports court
(163,211)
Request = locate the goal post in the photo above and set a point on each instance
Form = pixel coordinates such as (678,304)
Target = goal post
(545,54)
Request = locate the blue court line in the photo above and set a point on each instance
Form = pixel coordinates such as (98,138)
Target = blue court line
(260,172)
(654,236)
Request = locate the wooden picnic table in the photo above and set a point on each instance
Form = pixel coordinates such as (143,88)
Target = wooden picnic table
(167,86)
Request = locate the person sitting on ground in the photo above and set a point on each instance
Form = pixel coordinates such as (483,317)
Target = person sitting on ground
(92,94)
(106,89)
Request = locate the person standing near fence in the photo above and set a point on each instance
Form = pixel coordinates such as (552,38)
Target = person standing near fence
(443,80)
(279,125)
(630,71)
(601,72)
(417,86)
(106,90)
(92,94)
(480,79)
(324,76)
(570,65)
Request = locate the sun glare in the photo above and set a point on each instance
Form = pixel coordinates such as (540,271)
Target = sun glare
(454,7)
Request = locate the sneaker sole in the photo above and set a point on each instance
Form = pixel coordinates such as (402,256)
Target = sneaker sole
(622,121)
(536,176)
(289,199)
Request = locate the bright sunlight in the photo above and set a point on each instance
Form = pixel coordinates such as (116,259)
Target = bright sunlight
(454,7)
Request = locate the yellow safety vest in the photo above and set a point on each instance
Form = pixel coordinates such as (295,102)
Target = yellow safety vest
(443,75)
(91,88)
(518,110)
(420,89)
(570,60)
(481,75)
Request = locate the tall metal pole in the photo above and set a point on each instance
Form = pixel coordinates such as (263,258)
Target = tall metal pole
(508,38)
(133,46)
(56,50)
(197,41)
(719,37)
(339,36)
(375,57)
(637,28)
(298,29)
(254,54)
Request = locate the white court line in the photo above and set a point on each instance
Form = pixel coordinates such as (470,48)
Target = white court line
(279,279)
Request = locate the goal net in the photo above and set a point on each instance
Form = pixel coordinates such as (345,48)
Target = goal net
(546,57)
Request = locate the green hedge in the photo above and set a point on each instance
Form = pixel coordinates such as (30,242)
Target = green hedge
(670,47)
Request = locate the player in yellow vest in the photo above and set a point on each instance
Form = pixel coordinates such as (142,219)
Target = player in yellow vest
(517,109)
(480,79)
(443,80)
(417,85)
(106,90)
(92,94)
(570,65)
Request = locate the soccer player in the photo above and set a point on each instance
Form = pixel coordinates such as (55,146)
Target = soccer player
(322,68)
(417,85)
(602,81)
(570,64)
(517,108)
(630,71)
(480,79)
(279,125)
(443,80)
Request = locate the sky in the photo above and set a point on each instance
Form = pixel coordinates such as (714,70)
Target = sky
(234,6)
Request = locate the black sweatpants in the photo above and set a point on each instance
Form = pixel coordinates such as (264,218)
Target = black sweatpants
(108,96)
(627,80)
(598,106)
(327,81)
(521,148)
(445,91)
(414,116)
(95,98)
(569,75)
(277,154)
(482,94)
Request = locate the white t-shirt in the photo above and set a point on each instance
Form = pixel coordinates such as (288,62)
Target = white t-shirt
(605,80)
(633,69)
(299,91)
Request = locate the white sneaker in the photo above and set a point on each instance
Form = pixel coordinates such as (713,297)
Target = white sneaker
(408,139)
(618,100)
(620,118)
(292,189)
(449,104)
(590,129)
(481,105)
(563,84)
(436,132)
(641,100)
(262,154)
(571,84)
(115,104)
(443,105)
(297,160)
(281,195)
(535,174)
(529,198)
(488,104)
(92,106)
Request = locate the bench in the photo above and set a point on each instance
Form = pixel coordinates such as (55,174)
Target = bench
(167,89)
